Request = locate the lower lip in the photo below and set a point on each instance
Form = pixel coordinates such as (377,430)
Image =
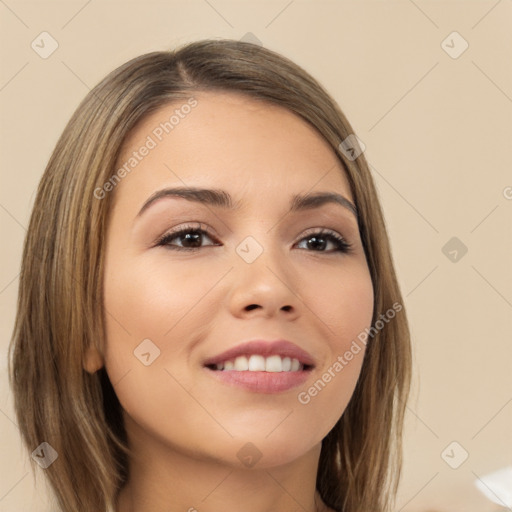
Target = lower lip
(261,382)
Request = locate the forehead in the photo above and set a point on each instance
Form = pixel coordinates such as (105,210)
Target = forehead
(229,141)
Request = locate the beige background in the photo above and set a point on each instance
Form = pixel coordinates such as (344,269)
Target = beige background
(437,132)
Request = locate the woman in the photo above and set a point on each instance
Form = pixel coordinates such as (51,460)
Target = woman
(209,316)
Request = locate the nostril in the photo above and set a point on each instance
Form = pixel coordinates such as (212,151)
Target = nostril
(251,307)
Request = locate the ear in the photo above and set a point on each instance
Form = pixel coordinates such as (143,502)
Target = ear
(93,360)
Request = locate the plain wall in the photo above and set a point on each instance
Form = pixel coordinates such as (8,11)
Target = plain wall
(437,127)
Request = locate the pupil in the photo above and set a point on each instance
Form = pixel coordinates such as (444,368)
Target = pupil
(194,238)
(317,244)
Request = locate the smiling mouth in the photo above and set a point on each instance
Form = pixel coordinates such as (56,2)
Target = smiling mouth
(259,363)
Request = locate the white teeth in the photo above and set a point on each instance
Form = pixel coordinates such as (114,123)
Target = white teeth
(273,364)
(241,364)
(258,363)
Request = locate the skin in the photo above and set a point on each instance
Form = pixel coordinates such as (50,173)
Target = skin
(185,428)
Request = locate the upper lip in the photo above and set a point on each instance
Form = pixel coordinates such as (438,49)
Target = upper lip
(283,348)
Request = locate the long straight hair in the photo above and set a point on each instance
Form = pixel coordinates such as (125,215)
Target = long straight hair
(60,312)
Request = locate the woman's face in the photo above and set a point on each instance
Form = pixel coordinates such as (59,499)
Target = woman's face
(268,267)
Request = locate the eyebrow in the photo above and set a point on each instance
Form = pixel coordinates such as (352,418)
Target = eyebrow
(221,199)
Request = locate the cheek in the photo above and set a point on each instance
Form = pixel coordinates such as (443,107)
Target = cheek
(151,300)
(345,308)
(144,303)
(134,292)
(343,301)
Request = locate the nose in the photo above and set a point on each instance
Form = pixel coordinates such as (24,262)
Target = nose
(264,288)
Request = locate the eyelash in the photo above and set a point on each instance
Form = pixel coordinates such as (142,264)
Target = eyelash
(342,245)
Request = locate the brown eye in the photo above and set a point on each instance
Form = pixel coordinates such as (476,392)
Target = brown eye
(318,241)
(190,238)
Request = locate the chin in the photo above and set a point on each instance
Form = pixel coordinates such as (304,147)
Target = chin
(258,452)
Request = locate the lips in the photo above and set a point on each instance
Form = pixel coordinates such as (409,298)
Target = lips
(242,366)
(282,348)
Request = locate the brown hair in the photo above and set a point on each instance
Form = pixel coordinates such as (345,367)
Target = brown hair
(60,312)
